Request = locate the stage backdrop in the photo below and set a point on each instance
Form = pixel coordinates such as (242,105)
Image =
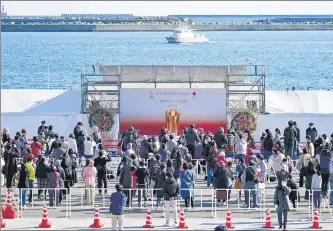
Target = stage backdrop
(150,109)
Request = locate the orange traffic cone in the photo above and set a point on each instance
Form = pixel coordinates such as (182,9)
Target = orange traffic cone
(45,219)
(315,221)
(149,223)
(228,222)
(97,220)
(3,224)
(9,212)
(268,223)
(182,222)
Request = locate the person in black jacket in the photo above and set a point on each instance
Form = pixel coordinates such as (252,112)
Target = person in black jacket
(170,192)
(66,164)
(23,185)
(100,164)
(10,169)
(268,145)
(293,193)
(142,174)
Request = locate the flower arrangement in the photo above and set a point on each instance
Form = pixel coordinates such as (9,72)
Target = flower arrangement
(101,117)
(244,121)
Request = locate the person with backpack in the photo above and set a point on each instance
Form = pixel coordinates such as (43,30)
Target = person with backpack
(74,161)
(170,193)
(100,165)
(142,174)
(250,181)
(290,135)
(302,165)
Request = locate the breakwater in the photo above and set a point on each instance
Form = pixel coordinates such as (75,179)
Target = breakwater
(199,27)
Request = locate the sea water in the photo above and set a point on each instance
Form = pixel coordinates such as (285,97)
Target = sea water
(293,58)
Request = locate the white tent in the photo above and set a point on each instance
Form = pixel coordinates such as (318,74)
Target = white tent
(27,108)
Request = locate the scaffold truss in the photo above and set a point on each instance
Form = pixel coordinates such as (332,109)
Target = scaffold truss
(245,84)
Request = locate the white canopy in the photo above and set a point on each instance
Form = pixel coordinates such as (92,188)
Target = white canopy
(299,102)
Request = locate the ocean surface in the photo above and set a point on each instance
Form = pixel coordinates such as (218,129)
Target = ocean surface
(293,58)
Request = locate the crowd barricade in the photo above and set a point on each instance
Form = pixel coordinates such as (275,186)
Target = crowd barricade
(18,206)
(204,200)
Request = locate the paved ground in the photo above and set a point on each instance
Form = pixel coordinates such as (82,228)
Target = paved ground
(75,208)
(137,223)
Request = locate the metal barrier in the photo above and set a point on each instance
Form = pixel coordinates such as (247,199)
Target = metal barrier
(203,199)
(17,196)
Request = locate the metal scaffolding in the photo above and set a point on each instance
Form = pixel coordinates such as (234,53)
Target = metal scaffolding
(245,84)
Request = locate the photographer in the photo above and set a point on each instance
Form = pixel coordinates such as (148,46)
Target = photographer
(100,164)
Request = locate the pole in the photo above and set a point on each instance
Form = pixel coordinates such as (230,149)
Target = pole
(48,74)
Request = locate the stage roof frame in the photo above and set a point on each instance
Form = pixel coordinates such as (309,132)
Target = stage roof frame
(242,82)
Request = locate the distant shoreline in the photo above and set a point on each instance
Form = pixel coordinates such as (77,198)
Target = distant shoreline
(157,28)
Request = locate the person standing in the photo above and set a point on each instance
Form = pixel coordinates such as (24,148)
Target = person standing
(89,146)
(117,204)
(222,183)
(125,179)
(171,144)
(277,136)
(268,145)
(10,168)
(62,178)
(290,135)
(53,184)
(316,185)
(211,163)
(281,202)
(249,178)
(89,176)
(310,146)
(32,175)
(191,138)
(164,153)
(293,195)
(302,165)
(187,185)
(23,185)
(312,132)
(66,164)
(100,164)
(71,143)
(170,194)
(36,147)
(42,171)
(159,182)
(325,169)
(142,174)
(220,138)
(240,147)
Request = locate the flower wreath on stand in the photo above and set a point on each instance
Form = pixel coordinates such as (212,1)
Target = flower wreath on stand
(102,118)
(244,121)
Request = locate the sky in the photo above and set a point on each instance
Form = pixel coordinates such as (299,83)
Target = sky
(163,8)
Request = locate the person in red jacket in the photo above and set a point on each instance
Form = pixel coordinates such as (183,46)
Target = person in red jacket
(36,147)
(221,159)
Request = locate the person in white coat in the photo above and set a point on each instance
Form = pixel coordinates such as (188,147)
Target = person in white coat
(277,161)
(89,145)
(71,143)
(240,147)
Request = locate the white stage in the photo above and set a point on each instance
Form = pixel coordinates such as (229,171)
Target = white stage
(61,108)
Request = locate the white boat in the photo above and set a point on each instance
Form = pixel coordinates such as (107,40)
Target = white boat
(185,34)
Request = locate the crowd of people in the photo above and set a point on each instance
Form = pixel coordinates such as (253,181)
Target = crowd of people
(166,164)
